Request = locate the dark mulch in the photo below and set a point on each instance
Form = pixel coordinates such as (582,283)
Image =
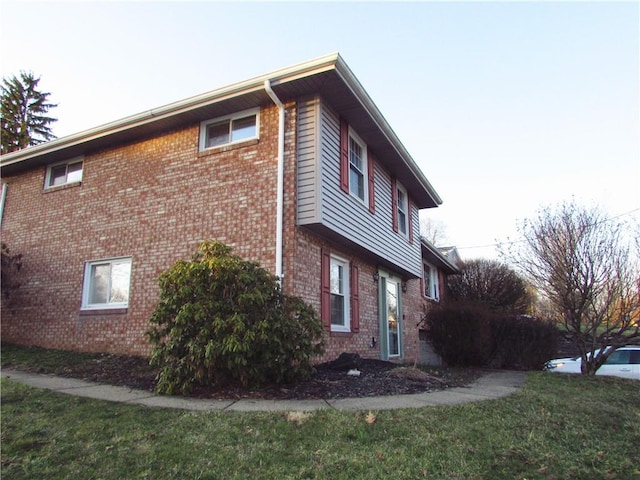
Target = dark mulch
(376,377)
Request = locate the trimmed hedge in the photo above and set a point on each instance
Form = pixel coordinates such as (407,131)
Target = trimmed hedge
(523,342)
(473,335)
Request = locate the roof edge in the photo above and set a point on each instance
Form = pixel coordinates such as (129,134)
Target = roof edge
(356,87)
(434,250)
(317,65)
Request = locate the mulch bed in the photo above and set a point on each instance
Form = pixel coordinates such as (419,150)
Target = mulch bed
(376,378)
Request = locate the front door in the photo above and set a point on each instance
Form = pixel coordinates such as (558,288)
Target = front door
(390,309)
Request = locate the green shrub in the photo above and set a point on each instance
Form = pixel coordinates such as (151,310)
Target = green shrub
(222,320)
(11,265)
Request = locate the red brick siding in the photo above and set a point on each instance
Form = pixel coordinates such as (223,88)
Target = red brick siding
(306,283)
(154,200)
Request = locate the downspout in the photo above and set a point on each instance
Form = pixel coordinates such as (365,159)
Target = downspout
(280,182)
(3,196)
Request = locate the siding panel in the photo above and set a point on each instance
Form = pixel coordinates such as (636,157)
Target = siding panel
(307,177)
(321,200)
(351,218)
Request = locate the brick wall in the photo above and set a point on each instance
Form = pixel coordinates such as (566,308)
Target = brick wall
(306,283)
(153,200)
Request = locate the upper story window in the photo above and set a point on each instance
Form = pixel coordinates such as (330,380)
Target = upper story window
(69,171)
(401,208)
(340,311)
(230,129)
(106,284)
(357,167)
(430,282)
(403,211)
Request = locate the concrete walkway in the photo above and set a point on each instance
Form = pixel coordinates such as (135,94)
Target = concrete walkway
(489,387)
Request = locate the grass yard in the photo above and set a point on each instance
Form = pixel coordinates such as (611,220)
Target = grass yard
(556,427)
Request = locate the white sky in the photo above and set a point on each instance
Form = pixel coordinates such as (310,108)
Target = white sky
(506,106)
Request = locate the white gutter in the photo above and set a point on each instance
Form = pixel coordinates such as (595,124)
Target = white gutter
(3,196)
(280,183)
(311,67)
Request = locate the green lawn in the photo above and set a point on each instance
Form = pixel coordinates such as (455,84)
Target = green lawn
(556,427)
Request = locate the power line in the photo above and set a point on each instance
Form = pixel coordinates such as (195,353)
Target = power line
(512,242)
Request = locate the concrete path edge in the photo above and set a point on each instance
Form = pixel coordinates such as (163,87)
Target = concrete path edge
(493,385)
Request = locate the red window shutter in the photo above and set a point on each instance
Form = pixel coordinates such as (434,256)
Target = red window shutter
(344,155)
(422,283)
(410,221)
(394,204)
(325,292)
(325,286)
(370,163)
(355,298)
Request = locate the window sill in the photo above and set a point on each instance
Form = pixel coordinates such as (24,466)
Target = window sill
(62,187)
(335,333)
(104,311)
(226,148)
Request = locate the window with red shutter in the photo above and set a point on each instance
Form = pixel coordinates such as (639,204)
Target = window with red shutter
(355,298)
(370,171)
(410,220)
(344,155)
(325,294)
(394,204)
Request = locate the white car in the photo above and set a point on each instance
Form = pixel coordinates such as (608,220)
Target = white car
(624,362)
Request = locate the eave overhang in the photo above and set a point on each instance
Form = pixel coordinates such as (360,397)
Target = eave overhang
(327,76)
(432,255)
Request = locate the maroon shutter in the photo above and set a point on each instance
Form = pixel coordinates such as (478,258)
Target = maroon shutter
(394,204)
(344,155)
(410,220)
(422,282)
(355,298)
(370,163)
(325,289)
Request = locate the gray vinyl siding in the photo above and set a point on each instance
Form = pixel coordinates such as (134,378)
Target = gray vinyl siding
(308,167)
(325,203)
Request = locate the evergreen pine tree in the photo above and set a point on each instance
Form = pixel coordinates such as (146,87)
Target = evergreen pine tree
(24,113)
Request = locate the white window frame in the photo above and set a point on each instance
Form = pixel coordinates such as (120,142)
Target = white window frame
(346,293)
(48,177)
(364,170)
(229,118)
(403,210)
(432,283)
(87,284)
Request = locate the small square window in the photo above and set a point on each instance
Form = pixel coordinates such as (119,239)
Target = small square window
(64,173)
(106,284)
(231,129)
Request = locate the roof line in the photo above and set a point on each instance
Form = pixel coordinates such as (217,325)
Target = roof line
(434,250)
(356,87)
(332,61)
(254,84)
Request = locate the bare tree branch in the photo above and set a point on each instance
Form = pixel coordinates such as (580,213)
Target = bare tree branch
(586,266)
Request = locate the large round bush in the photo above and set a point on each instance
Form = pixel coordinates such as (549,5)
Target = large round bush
(223,320)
